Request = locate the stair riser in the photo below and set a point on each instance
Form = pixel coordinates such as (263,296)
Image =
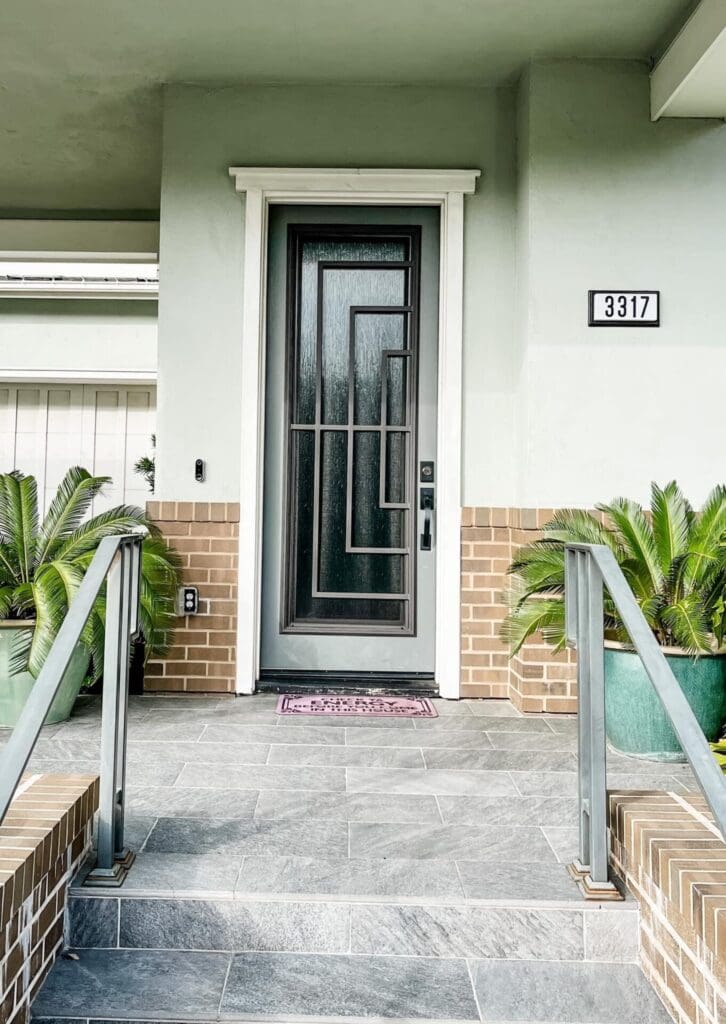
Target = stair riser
(607,935)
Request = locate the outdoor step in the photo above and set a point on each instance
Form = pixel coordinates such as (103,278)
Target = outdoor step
(162,985)
(567,932)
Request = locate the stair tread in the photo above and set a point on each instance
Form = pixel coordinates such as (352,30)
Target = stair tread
(153,985)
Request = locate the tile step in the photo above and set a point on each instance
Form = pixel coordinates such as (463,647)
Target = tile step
(161,985)
(431,930)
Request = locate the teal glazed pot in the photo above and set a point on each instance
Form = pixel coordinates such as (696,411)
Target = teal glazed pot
(636,722)
(15,688)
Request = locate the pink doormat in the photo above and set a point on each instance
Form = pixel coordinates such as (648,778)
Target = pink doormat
(371,707)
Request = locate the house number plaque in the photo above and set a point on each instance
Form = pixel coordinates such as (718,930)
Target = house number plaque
(623,309)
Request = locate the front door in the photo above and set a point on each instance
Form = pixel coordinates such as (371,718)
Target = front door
(348,584)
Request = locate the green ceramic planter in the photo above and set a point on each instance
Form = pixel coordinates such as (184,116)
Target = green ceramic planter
(636,722)
(15,689)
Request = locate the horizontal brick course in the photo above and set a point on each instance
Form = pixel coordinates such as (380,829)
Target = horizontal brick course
(667,850)
(205,534)
(45,836)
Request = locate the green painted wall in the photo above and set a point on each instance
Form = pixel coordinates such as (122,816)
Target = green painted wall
(202,223)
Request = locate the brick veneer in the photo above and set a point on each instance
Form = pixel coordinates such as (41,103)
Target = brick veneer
(537,679)
(202,659)
(672,858)
(43,839)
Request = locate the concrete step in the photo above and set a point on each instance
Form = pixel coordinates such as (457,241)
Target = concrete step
(167,985)
(236,923)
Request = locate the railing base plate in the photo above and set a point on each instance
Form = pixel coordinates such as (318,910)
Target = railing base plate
(596,891)
(111,878)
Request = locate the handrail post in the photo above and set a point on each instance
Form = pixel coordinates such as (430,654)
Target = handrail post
(122,596)
(585,631)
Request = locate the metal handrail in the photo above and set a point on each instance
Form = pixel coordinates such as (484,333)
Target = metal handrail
(117,562)
(589,567)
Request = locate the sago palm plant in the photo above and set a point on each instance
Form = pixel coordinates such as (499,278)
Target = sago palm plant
(673,557)
(42,564)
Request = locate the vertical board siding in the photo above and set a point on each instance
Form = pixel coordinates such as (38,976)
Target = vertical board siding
(45,429)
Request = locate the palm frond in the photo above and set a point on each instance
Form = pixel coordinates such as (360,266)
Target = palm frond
(687,624)
(708,536)
(539,615)
(672,518)
(19,520)
(576,526)
(6,599)
(540,567)
(640,562)
(112,523)
(8,562)
(49,598)
(68,509)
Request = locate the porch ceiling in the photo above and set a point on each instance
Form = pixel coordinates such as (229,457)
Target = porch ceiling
(81,80)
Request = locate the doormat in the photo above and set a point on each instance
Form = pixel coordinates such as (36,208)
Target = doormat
(370,707)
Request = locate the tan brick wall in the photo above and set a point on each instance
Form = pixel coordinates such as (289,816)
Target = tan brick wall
(536,679)
(43,839)
(667,851)
(202,659)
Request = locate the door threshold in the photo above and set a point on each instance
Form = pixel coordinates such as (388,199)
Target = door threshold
(360,685)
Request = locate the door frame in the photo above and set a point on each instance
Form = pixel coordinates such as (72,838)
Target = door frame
(445,189)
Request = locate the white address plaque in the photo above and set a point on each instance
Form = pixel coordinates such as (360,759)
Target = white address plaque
(623,309)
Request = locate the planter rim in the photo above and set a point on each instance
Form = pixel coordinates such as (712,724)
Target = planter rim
(17,623)
(669,652)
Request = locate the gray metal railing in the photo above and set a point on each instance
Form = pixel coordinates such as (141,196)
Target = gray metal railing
(589,567)
(117,562)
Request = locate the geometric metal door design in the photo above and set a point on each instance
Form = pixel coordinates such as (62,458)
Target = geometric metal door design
(350,534)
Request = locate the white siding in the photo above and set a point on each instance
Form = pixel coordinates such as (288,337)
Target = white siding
(45,429)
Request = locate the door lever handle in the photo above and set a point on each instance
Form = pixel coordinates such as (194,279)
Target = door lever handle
(426,535)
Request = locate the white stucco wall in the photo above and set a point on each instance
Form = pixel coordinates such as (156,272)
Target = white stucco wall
(596,196)
(38,336)
(202,223)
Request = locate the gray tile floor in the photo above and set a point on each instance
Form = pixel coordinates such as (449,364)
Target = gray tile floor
(334,868)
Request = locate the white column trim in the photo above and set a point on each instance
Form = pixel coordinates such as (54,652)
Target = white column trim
(445,189)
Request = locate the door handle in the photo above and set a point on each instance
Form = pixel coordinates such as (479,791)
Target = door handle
(426,503)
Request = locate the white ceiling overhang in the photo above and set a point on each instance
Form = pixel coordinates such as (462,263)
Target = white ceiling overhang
(690,78)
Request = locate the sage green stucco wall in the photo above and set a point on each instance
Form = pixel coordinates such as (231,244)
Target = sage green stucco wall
(202,223)
(579,190)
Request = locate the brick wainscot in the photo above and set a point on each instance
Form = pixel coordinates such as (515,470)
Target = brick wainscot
(537,679)
(205,534)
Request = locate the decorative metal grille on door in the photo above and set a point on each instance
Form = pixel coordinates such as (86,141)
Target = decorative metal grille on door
(351,414)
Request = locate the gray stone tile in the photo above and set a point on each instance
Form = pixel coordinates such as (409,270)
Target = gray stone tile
(475,738)
(128,983)
(343,722)
(513,811)
(443,782)
(346,806)
(318,876)
(450,708)
(207,776)
(449,842)
(530,743)
(564,725)
(282,985)
(504,933)
(150,752)
(259,836)
(494,880)
(371,757)
(164,732)
(137,828)
(183,873)
(612,934)
(494,708)
(239,925)
(137,772)
(187,802)
(560,784)
(565,842)
(549,992)
(250,733)
(500,760)
(93,921)
(661,781)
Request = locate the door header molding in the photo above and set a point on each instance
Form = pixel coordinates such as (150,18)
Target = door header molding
(286,180)
(262,186)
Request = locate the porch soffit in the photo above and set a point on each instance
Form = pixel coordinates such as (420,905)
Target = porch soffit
(283,180)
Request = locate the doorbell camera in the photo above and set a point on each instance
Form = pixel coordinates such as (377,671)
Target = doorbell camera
(199,471)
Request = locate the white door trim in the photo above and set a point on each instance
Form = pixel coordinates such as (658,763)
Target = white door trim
(261,187)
